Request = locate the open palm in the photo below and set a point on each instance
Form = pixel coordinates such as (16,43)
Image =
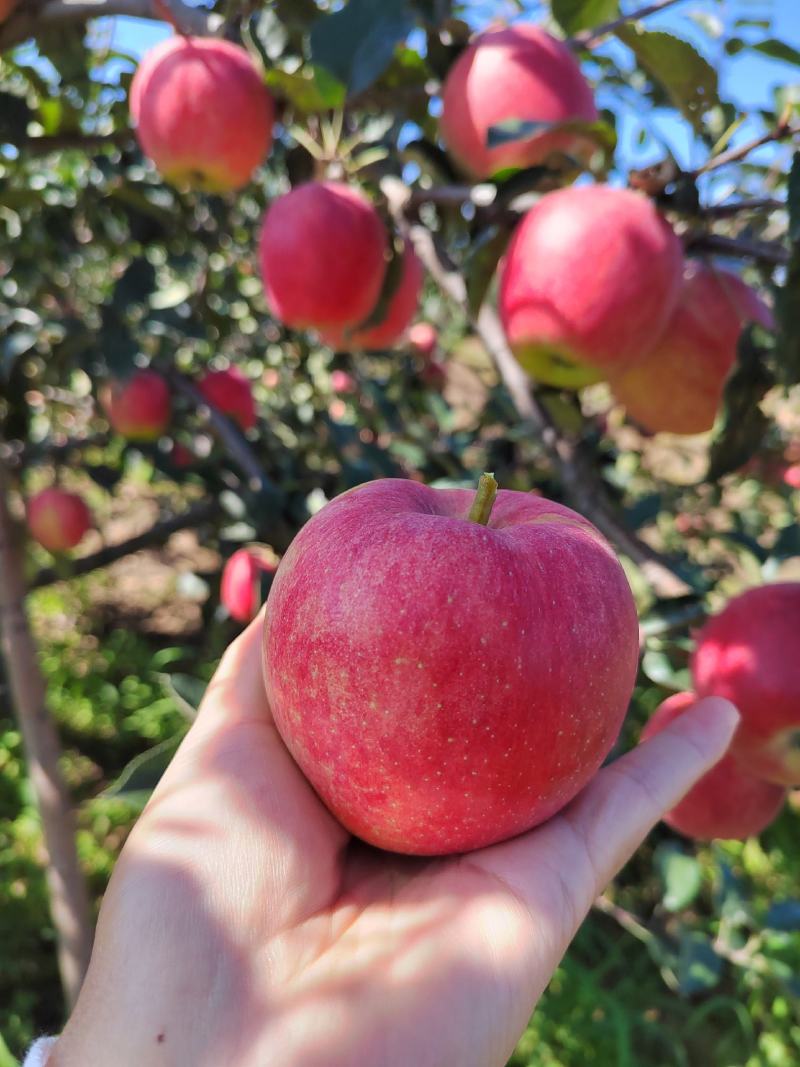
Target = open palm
(244,927)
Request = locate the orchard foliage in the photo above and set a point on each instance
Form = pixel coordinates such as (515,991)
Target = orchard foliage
(118,277)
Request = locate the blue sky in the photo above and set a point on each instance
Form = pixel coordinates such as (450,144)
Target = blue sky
(747,79)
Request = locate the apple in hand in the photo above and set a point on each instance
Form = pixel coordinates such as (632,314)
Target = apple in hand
(323,256)
(727,802)
(240,588)
(590,279)
(400,309)
(513,73)
(677,386)
(139,407)
(202,112)
(448,669)
(230,392)
(57,519)
(750,654)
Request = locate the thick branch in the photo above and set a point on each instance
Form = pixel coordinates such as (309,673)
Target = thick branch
(69,900)
(33,16)
(158,534)
(577,473)
(590,38)
(739,207)
(740,247)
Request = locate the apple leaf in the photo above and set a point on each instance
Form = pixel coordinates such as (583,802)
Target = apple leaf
(574,15)
(784,915)
(479,269)
(787,299)
(699,968)
(689,80)
(356,44)
(598,132)
(741,425)
(681,876)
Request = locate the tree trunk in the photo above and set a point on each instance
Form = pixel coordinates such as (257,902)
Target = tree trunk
(69,900)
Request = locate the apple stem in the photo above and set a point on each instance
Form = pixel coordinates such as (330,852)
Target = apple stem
(484,500)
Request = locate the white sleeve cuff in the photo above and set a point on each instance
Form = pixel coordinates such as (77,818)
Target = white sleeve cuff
(40,1052)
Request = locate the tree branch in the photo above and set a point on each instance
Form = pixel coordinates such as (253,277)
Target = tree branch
(783,129)
(576,470)
(590,38)
(33,16)
(740,247)
(158,534)
(69,900)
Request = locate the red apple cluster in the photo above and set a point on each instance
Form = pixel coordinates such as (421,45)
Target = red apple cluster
(749,654)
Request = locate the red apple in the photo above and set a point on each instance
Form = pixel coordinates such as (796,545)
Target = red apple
(423,339)
(323,256)
(516,72)
(445,673)
(202,112)
(138,408)
(677,386)
(750,654)
(590,280)
(342,382)
(57,519)
(240,589)
(791,476)
(727,802)
(400,310)
(230,392)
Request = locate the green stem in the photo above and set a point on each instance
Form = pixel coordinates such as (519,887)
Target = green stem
(484,500)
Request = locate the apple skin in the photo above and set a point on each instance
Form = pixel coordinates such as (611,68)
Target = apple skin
(323,256)
(590,279)
(202,113)
(57,519)
(400,310)
(230,392)
(750,654)
(727,803)
(677,386)
(423,339)
(516,72)
(441,683)
(240,588)
(139,408)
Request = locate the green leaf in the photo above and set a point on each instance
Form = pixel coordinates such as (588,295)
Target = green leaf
(12,346)
(574,15)
(144,772)
(681,876)
(778,50)
(689,80)
(741,425)
(6,1059)
(784,915)
(356,44)
(484,255)
(598,132)
(787,299)
(659,669)
(699,968)
(171,297)
(302,89)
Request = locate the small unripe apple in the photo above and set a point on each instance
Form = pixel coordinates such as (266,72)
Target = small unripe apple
(323,256)
(400,310)
(423,338)
(448,669)
(590,280)
(750,654)
(139,407)
(677,386)
(57,519)
(240,589)
(727,802)
(230,392)
(517,72)
(202,112)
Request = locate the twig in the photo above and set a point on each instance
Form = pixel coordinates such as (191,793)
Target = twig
(741,248)
(34,16)
(576,469)
(782,129)
(158,534)
(69,900)
(590,38)
(738,207)
(83,142)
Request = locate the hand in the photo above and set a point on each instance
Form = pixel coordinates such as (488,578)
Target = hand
(244,927)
